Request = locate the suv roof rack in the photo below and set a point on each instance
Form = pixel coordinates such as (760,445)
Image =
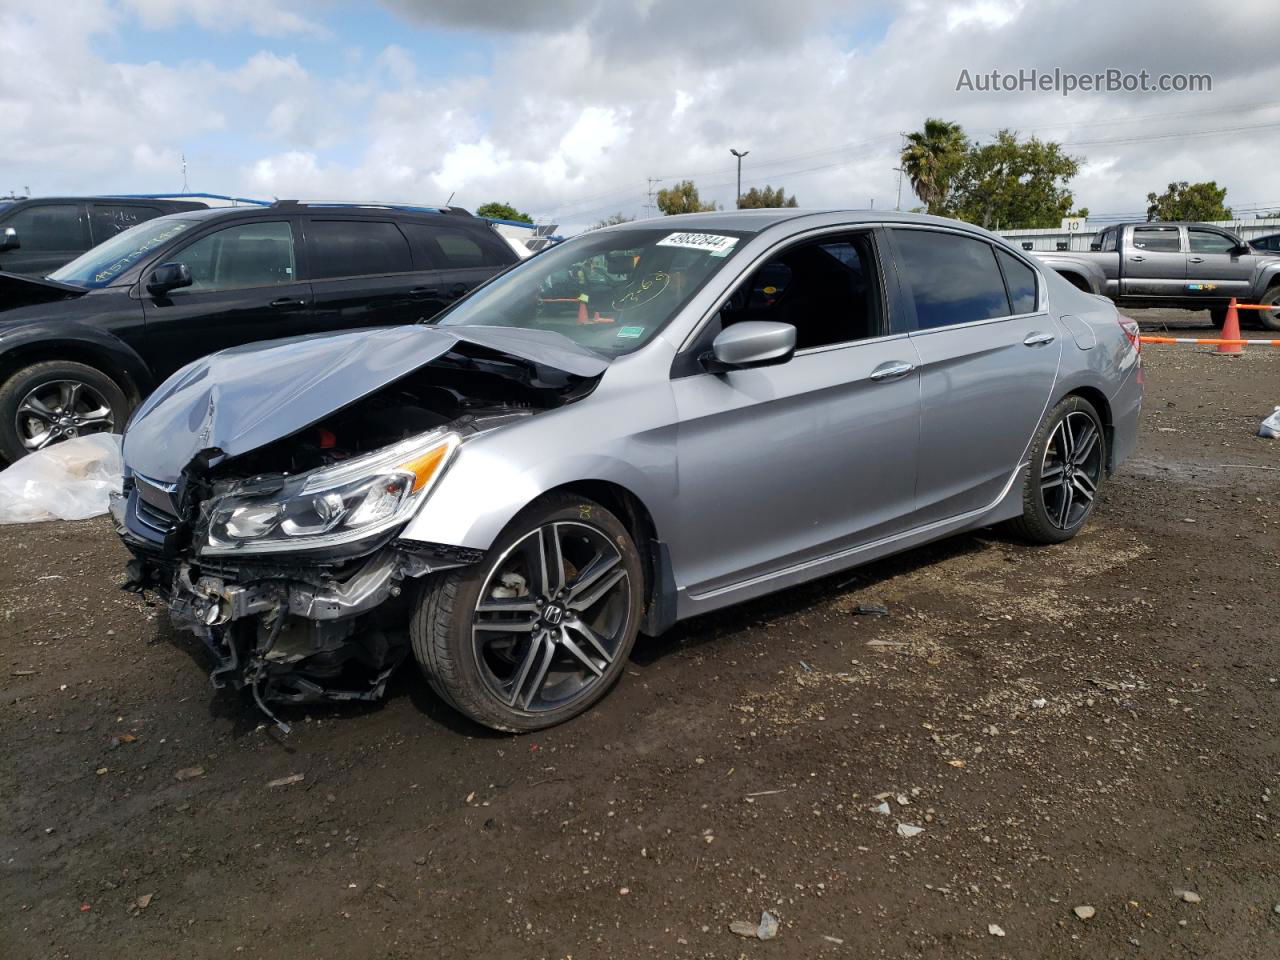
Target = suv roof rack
(183,196)
(373,205)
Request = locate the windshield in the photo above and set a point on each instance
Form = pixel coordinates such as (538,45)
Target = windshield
(611,290)
(100,265)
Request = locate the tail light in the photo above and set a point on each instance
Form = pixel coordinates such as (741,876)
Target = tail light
(1131,330)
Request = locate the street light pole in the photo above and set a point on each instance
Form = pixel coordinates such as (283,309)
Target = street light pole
(739,155)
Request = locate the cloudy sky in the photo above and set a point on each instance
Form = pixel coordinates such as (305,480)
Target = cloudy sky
(565,108)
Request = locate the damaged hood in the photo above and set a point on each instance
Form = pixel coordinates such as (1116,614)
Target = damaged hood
(237,400)
(18,290)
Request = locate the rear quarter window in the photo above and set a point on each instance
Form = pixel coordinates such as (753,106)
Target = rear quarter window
(1021,281)
(445,248)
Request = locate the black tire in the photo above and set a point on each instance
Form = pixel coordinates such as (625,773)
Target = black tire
(1218,317)
(1270,319)
(460,669)
(49,373)
(1042,522)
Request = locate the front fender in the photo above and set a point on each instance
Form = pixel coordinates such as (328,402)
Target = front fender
(47,338)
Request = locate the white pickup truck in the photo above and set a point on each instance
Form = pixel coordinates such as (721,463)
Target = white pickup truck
(1192,266)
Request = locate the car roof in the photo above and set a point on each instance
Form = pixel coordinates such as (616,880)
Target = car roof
(327,211)
(116,198)
(757,221)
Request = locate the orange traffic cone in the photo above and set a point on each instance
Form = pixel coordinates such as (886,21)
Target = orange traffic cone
(582,311)
(1231,331)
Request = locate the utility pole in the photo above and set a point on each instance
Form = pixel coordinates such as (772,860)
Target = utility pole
(739,155)
(902,147)
(184,172)
(650,207)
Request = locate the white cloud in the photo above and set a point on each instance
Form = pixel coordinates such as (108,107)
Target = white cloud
(579,101)
(267,18)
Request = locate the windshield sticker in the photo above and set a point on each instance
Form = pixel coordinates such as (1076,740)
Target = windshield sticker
(631,333)
(643,290)
(712,243)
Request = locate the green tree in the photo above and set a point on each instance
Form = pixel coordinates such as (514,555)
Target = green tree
(612,221)
(931,159)
(760,199)
(682,198)
(502,211)
(1189,201)
(1011,184)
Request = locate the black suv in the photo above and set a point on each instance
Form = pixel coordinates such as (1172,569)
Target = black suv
(80,348)
(40,234)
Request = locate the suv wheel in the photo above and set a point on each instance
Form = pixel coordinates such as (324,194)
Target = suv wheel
(1068,461)
(57,400)
(540,630)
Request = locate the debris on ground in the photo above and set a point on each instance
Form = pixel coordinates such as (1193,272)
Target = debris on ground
(189,773)
(909,830)
(766,929)
(1188,896)
(1270,427)
(285,781)
(1084,912)
(871,610)
(995,929)
(71,480)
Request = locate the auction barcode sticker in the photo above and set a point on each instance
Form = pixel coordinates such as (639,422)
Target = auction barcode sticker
(713,243)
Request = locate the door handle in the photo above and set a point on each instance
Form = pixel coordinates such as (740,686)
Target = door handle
(892,370)
(1037,339)
(1195,259)
(1137,259)
(424,292)
(285,302)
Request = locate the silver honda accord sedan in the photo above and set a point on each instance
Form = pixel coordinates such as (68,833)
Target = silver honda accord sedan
(642,424)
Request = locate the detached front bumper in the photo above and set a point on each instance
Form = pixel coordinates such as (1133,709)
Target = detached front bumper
(291,628)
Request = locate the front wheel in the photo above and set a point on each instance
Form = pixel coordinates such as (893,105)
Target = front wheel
(1270,319)
(542,627)
(57,400)
(1068,461)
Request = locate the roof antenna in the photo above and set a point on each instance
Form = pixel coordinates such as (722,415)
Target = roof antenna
(450,200)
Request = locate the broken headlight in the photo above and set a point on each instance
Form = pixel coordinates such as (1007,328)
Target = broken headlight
(336,505)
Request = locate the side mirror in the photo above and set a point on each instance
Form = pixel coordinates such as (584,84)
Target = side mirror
(751,343)
(9,239)
(168,276)
(1240,249)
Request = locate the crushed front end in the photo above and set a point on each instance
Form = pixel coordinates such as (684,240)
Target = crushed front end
(265,491)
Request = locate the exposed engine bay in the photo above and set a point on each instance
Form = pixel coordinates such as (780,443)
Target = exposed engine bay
(264,555)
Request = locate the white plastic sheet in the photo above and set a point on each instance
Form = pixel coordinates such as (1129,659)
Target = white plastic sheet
(67,481)
(1270,427)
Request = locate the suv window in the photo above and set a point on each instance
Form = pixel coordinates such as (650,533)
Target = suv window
(356,248)
(1157,239)
(1209,241)
(953,279)
(1268,243)
(1021,281)
(248,255)
(447,248)
(108,219)
(828,289)
(49,226)
(1109,240)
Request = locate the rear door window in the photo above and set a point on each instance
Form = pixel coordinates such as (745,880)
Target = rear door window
(108,219)
(356,248)
(952,279)
(49,227)
(1021,281)
(1157,239)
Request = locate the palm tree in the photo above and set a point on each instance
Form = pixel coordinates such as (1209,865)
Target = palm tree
(931,159)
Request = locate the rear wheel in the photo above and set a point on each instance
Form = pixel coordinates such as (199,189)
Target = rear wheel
(1068,460)
(540,630)
(57,400)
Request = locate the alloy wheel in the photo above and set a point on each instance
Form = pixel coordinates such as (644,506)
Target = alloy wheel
(552,616)
(1071,470)
(59,410)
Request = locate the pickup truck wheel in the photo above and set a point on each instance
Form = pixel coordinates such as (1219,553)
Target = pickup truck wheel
(1218,317)
(56,400)
(1270,319)
(541,628)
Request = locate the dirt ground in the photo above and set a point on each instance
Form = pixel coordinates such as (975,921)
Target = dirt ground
(1092,724)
